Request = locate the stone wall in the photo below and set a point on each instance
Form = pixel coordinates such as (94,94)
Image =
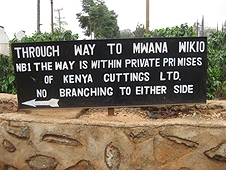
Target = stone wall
(46,140)
(30,141)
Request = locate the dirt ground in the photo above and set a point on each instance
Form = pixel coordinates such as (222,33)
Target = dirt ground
(213,109)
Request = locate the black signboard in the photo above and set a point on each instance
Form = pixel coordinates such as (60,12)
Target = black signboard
(112,72)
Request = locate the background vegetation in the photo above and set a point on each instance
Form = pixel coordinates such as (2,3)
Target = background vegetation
(216,72)
(99,22)
(7,78)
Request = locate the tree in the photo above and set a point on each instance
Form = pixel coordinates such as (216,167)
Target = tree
(201,29)
(126,33)
(60,23)
(96,19)
(224,26)
(140,31)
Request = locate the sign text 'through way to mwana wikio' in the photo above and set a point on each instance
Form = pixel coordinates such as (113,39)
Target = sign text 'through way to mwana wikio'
(112,72)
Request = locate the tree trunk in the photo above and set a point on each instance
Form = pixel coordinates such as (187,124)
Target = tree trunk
(51,2)
(197,29)
(147,17)
(38,16)
(202,30)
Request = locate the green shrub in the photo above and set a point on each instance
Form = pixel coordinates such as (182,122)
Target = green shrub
(183,31)
(7,79)
(216,72)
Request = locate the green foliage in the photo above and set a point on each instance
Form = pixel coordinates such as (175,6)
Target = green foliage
(216,49)
(57,35)
(216,72)
(7,78)
(86,5)
(183,31)
(127,33)
(216,56)
(140,31)
(96,18)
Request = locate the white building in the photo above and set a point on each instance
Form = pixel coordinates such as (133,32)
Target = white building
(20,34)
(4,42)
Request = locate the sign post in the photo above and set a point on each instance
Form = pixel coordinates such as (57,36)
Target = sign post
(110,73)
(111,111)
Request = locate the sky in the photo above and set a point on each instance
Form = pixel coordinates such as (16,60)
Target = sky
(16,15)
